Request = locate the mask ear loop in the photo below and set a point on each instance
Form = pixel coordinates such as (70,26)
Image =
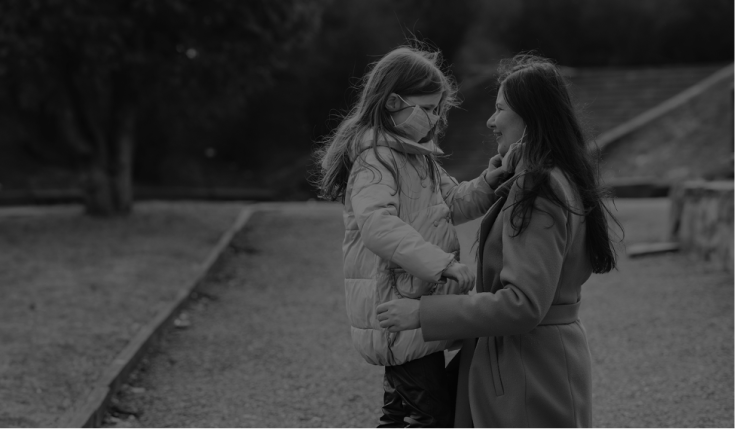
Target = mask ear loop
(407,103)
(398,110)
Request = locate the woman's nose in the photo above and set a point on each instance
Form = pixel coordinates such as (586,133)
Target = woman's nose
(491,123)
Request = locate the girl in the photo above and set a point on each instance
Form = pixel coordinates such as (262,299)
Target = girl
(525,361)
(399,207)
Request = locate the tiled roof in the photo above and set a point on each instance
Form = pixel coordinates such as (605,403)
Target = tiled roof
(604,98)
(609,97)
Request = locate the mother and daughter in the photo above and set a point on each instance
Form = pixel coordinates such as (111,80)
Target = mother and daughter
(524,358)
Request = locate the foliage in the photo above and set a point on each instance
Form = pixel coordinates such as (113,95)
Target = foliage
(87,68)
(606,32)
(234,93)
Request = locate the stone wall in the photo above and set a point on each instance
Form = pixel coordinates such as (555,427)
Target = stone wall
(702,220)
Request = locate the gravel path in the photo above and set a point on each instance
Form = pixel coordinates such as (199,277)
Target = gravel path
(269,345)
(77,289)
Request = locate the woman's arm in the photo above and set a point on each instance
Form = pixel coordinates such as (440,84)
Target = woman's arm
(532,263)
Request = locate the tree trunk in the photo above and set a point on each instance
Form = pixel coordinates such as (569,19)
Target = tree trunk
(121,159)
(89,162)
(98,198)
(121,140)
(84,133)
(106,160)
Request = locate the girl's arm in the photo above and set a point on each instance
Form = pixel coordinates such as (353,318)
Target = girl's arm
(472,199)
(375,203)
(532,264)
(467,200)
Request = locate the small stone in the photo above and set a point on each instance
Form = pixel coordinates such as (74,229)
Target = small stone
(182,322)
(137,390)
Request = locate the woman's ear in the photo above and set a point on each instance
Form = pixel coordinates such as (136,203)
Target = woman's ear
(393,103)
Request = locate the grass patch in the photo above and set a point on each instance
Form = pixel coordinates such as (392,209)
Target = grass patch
(77,289)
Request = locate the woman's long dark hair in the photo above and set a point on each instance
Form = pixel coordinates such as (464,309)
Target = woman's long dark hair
(534,88)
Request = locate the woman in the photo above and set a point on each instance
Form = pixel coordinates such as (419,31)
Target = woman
(525,359)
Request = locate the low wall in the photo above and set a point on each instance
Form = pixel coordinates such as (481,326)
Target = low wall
(702,220)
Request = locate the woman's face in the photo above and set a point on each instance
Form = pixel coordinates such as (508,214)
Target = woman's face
(507,126)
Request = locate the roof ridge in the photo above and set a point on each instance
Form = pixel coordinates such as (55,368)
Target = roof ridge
(662,108)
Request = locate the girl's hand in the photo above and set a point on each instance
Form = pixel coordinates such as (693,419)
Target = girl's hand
(512,157)
(399,314)
(463,275)
(495,175)
(495,161)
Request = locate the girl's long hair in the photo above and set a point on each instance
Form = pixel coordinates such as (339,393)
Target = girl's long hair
(534,88)
(406,71)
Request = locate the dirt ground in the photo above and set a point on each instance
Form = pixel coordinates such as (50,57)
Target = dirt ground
(269,342)
(77,289)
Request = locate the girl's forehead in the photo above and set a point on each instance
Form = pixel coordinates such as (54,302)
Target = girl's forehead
(425,99)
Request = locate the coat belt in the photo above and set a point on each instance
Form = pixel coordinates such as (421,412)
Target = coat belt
(561,314)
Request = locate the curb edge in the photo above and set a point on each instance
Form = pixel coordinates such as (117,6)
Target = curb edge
(89,411)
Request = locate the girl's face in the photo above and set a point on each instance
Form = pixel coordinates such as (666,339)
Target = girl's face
(399,109)
(507,126)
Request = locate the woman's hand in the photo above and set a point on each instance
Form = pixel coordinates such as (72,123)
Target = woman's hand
(399,314)
(463,275)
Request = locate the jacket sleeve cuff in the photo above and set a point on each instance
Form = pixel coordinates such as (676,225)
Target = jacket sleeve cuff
(483,184)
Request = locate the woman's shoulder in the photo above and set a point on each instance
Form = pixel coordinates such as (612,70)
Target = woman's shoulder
(559,185)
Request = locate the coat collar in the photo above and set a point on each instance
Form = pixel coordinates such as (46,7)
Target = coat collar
(504,188)
(397,143)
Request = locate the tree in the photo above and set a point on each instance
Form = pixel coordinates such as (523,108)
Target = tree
(92,65)
(600,33)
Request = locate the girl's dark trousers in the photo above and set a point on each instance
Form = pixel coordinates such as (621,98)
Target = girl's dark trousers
(420,393)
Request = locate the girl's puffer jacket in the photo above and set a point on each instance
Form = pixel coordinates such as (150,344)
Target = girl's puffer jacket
(398,243)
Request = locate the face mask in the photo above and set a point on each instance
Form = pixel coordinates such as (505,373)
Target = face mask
(418,125)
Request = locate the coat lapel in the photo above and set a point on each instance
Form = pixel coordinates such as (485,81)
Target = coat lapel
(502,192)
(463,415)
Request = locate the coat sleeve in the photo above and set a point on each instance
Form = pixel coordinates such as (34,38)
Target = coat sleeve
(532,264)
(467,200)
(375,201)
